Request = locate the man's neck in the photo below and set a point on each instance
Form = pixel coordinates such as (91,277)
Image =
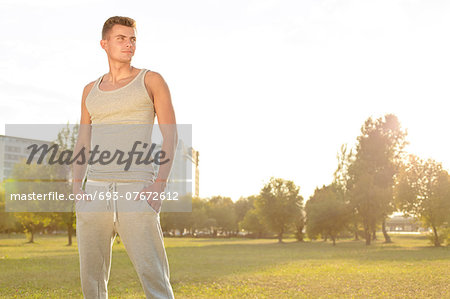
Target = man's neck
(118,72)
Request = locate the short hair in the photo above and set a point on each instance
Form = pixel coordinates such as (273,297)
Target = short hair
(117,20)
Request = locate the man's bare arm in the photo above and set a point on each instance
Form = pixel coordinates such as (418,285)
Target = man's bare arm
(159,91)
(83,141)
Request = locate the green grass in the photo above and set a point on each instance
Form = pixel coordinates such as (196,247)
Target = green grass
(409,267)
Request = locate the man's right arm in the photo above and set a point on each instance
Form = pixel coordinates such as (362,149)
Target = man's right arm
(83,141)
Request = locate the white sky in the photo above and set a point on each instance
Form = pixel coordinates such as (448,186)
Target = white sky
(271,88)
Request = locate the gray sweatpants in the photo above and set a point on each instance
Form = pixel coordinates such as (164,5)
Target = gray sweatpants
(138,225)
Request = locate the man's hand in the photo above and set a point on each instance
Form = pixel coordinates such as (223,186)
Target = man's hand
(76,189)
(153,196)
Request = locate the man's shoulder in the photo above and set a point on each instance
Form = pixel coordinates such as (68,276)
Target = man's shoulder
(88,87)
(153,79)
(152,75)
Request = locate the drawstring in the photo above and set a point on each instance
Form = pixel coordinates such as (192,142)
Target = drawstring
(112,188)
(108,204)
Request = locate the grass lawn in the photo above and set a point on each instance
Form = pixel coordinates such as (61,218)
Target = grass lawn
(409,267)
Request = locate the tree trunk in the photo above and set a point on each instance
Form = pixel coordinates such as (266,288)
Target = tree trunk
(300,233)
(280,237)
(374,235)
(436,237)
(334,240)
(69,234)
(387,238)
(368,238)
(356,232)
(31,236)
(367,234)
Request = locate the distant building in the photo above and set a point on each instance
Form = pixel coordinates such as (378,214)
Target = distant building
(12,150)
(402,224)
(194,156)
(185,167)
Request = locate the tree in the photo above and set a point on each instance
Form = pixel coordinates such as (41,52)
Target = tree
(252,222)
(185,220)
(222,210)
(66,141)
(278,205)
(8,221)
(242,206)
(299,225)
(199,215)
(423,190)
(25,179)
(372,172)
(43,178)
(341,181)
(327,213)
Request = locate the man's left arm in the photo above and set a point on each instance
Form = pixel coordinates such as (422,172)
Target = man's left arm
(159,91)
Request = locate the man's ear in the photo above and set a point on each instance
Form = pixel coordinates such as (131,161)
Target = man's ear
(103,44)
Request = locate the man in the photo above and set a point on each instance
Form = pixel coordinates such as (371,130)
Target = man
(117,109)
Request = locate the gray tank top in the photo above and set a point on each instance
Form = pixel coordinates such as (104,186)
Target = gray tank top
(120,118)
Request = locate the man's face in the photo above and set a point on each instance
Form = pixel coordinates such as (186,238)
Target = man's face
(120,43)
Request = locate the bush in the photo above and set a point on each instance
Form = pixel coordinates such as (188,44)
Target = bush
(442,236)
(446,236)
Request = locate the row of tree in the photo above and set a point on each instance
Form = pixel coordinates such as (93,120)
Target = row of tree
(276,210)
(376,179)
(371,181)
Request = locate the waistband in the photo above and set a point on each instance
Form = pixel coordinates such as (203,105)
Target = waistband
(106,183)
(112,185)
